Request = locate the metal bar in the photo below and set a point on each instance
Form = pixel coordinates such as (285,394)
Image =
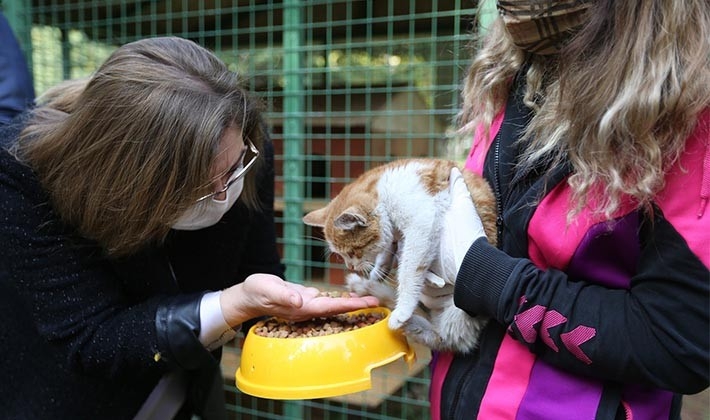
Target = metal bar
(293,159)
(293,143)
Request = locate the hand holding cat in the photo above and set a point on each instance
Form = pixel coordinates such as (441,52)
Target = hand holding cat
(461,227)
(437,294)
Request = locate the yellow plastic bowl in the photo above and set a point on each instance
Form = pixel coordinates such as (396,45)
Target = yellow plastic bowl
(319,367)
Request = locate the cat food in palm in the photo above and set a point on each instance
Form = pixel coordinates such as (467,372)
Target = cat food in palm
(334,294)
(317,327)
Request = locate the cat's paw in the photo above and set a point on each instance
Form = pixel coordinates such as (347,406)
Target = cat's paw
(419,329)
(397,319)
(362,286)
(357,284)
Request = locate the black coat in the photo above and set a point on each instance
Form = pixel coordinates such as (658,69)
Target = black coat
(81,332)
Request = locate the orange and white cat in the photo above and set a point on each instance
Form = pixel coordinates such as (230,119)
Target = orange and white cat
(391,217)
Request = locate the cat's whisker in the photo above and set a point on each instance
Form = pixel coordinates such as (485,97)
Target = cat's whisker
(387,250)
(365,268)
(389,278)
(319,240)
(315,238)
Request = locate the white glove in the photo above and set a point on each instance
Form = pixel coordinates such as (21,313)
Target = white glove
(461,227)
(436,293)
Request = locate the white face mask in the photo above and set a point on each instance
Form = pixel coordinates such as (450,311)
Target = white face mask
(209,211)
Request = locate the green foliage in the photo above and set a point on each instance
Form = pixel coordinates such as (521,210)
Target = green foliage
(342,65)
(48,56)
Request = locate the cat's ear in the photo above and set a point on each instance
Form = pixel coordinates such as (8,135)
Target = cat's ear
(316,217)
(350,219)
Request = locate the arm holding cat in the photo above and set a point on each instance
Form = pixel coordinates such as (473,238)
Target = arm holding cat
(653,332)
(631,335)
(461,227)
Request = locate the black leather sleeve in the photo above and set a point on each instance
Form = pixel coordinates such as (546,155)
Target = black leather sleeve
(178,324)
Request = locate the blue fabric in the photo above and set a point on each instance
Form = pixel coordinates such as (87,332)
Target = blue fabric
(16,90)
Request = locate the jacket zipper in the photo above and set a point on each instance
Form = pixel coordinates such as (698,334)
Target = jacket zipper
(498,188)
(499,225)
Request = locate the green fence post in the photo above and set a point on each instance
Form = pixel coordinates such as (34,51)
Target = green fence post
(293,228)
(293,143)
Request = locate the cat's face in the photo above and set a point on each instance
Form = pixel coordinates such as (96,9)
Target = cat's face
(351,229)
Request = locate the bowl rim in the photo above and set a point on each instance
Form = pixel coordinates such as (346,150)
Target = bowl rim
(362,374)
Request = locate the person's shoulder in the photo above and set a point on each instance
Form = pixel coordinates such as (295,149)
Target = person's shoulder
(15,177)
(10,130)
(9,133)
(8,136)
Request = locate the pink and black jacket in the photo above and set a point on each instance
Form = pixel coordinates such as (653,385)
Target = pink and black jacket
(593,319)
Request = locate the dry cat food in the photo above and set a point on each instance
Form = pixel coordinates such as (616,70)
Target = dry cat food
(317,327)
(334,294)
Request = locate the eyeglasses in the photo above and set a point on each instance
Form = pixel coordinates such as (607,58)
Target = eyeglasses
(237,172)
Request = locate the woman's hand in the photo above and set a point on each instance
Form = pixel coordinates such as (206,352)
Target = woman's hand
(461,227)
(268,295)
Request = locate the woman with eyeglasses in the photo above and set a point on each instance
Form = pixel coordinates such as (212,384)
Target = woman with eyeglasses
(138,234)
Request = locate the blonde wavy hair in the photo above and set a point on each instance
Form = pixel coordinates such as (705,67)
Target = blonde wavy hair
(126,152)
(618,102)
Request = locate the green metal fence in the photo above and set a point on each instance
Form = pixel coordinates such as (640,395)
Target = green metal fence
(346,85)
